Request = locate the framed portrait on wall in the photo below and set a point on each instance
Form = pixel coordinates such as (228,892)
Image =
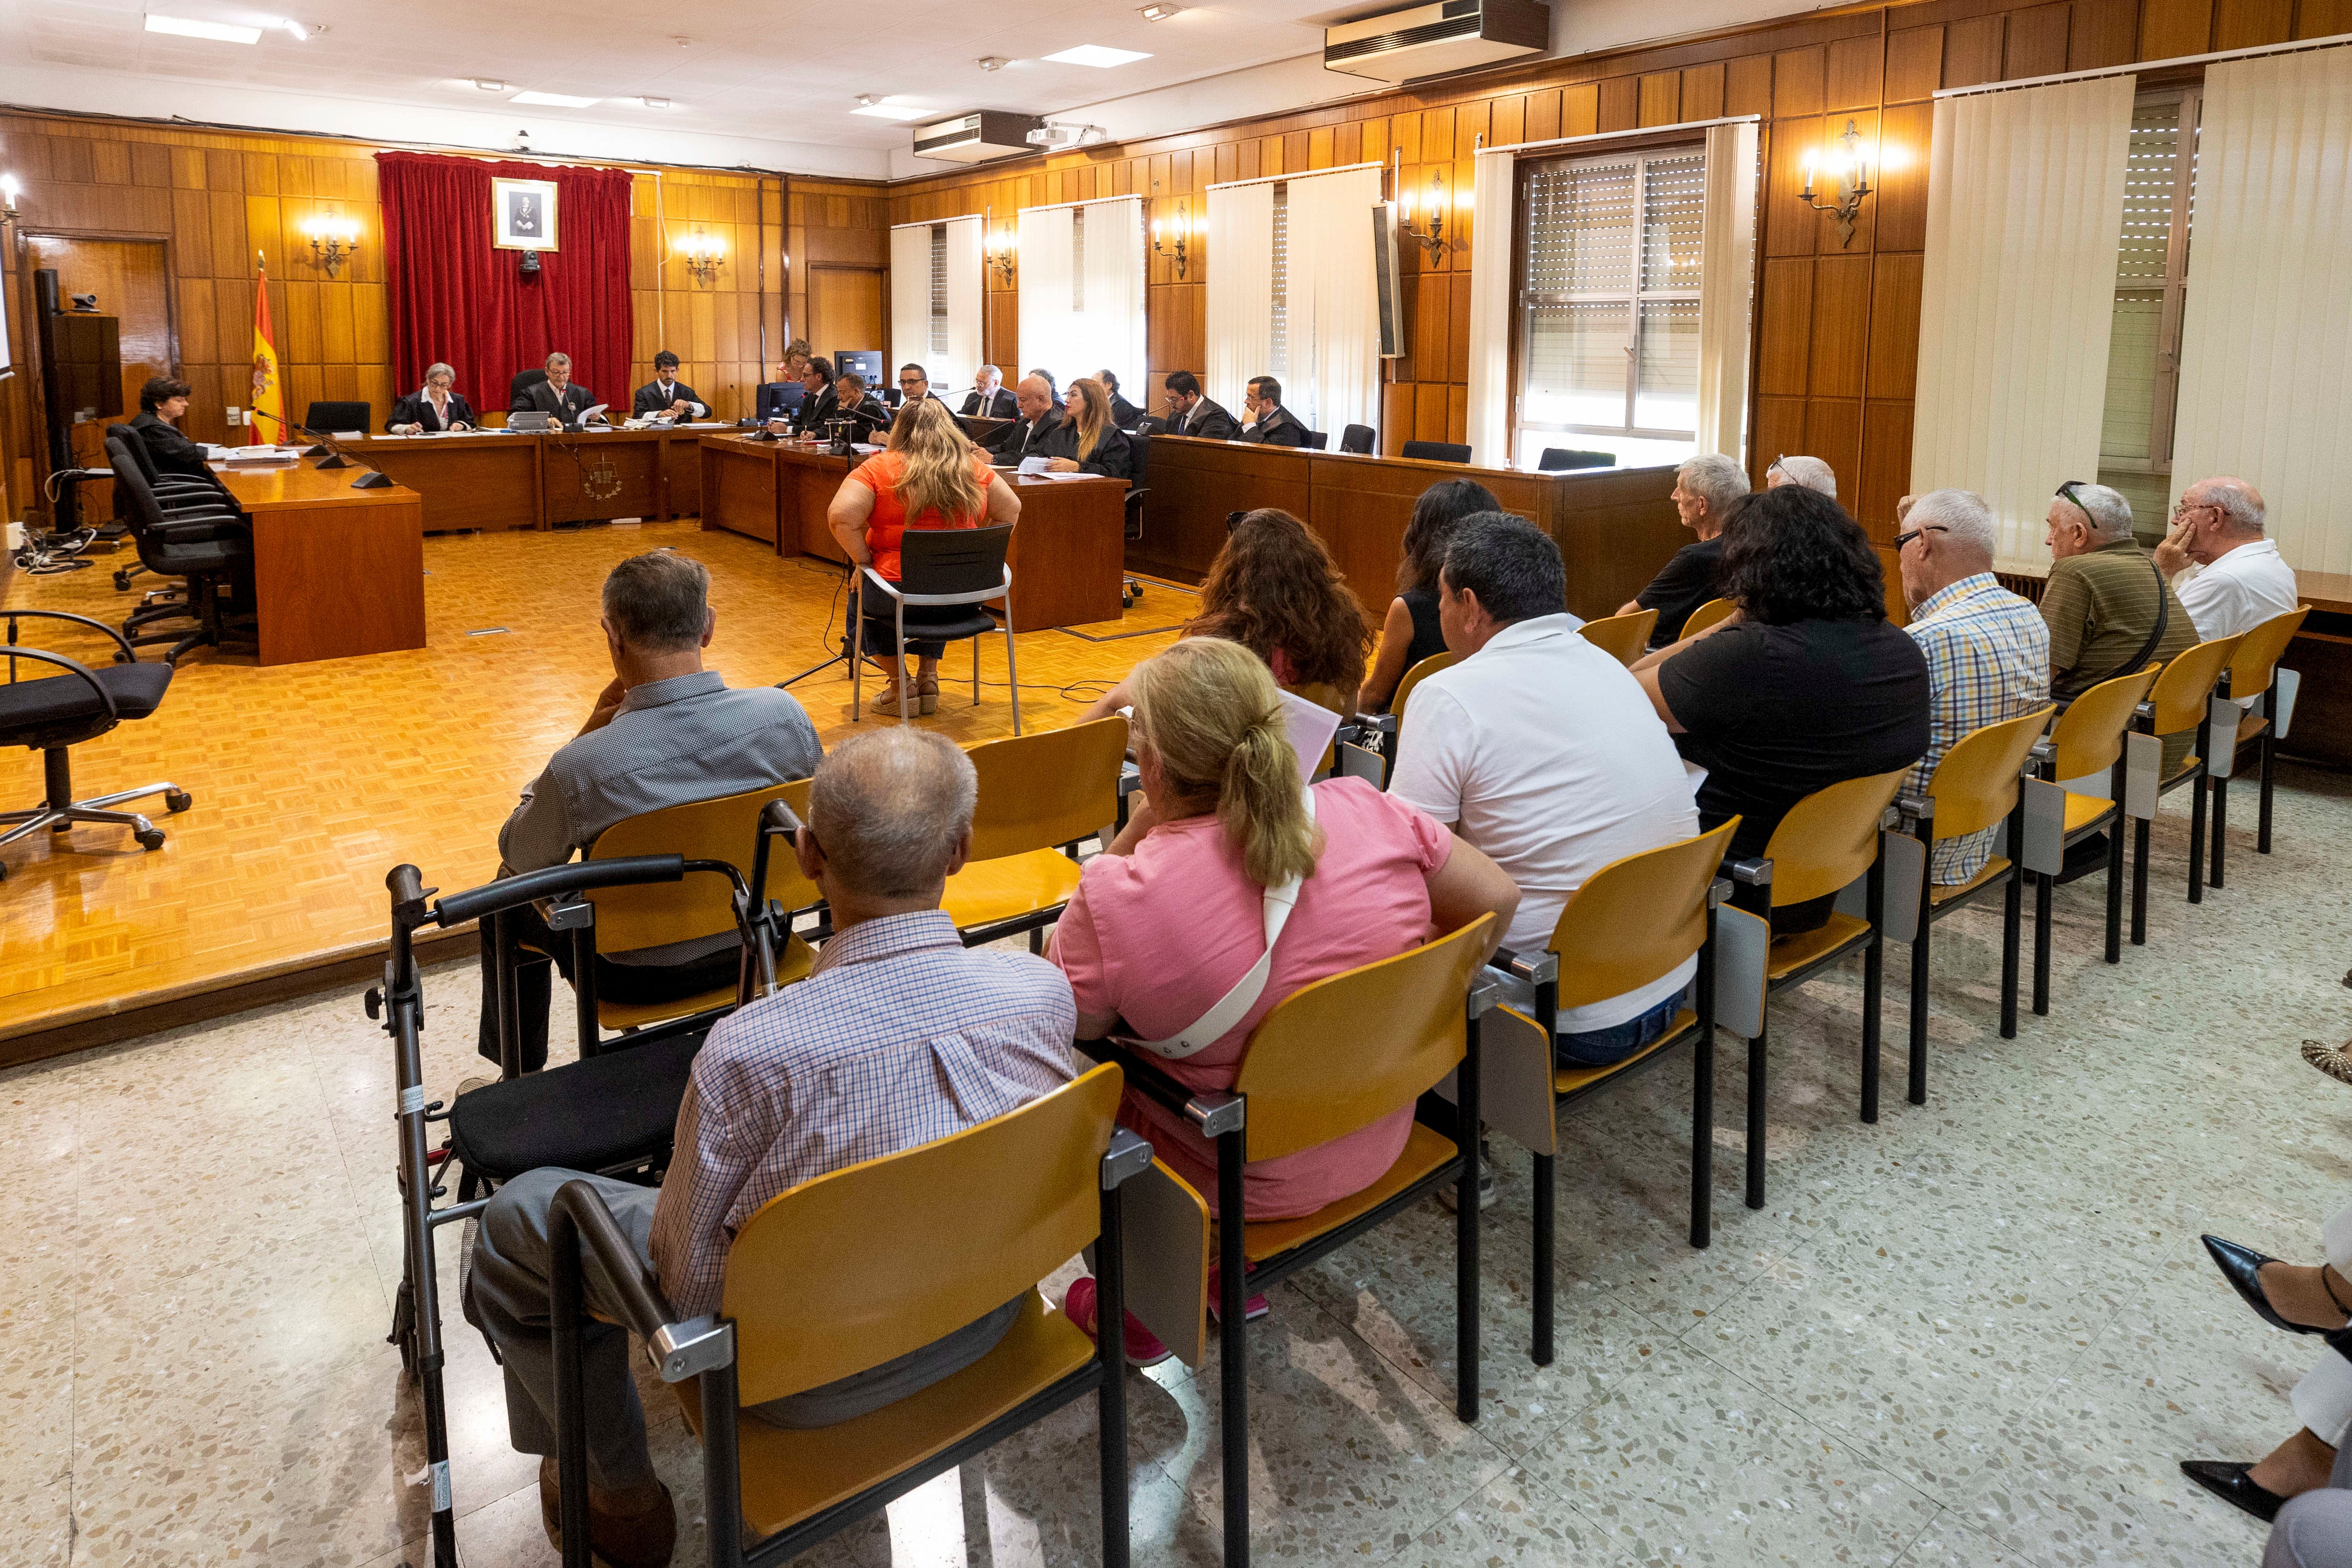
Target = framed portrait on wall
(523,215)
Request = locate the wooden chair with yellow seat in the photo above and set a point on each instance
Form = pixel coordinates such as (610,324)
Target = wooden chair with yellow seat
(1979,783)
(1823,843)
(854,1268)
(2087,741)
(1632,924)
(2252,673)
(1039,793)
(1624,637)
(1331,1058)
(2179,703)
(1706,615)
(629,919)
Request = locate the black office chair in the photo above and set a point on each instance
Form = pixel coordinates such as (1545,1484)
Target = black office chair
(54,714)
(206,548)
(1319,440)
(940,567)
(1556,459)
(1435,452)
(1139,460)
(173,494)
(1357,438)
(333,416)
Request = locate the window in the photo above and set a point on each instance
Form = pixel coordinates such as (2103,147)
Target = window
(2151,289)
(1079,261)
(937,348)
(1278,351)
(1609,307)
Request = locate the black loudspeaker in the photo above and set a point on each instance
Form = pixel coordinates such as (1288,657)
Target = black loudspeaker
(530,263)
(371,480)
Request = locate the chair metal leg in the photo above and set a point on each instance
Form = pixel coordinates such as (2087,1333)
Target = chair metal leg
(1110,1404)
(2114,951)
(1012,669)
(2139,882)
(2197,837)
(1873,986)
(2012,924)
(1465,1238)
(901,646)
(1756,1049)
(2042,883)
(1233,1364)
(1916,1085)
(975,672)
(2269,754)
(856,652)
(1702,1224)
(2221,826)
(1547,1206)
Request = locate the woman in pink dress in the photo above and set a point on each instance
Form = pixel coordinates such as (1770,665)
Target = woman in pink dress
(1167,922)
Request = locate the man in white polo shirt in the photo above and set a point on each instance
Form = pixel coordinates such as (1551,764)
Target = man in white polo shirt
(2240,581)
(1544,752)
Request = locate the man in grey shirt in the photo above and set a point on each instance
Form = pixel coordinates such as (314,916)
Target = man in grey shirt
(666,733)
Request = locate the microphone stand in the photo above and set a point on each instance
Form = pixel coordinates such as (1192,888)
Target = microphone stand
(336,456)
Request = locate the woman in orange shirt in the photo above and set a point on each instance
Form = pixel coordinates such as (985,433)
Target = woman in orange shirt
(930,476)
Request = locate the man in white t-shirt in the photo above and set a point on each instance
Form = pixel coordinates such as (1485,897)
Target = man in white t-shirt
(1543,750)
(2240,581)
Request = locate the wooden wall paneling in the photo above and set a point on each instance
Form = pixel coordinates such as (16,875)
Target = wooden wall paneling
(2250,24)
(1894,327)
(1791,226)
(2102,32)
(1780,432)
(1397,401)
(1430,412)
(1898,212)
(1915,63)
(1784,310)
(1854,74)
(2321,18)
(1509,120)
(1458,412)
(1747,84)
(1886,465)
(2169,28)
(1798,82)
(1702,96)
(1972,50)
(2036,43)
(1661,99)
(1840,326)
(1458,358)
(1543,115)
(1619,104)
(1580,109)
(1833,433)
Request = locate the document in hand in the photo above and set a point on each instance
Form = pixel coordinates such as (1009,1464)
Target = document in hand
(1309,726)
(588,414)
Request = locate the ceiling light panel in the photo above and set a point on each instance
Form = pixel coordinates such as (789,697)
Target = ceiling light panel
(881,111)
(555,100)
(1096,55)
(219,32)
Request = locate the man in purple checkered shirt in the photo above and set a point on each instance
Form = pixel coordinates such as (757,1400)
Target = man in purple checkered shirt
(899,1036)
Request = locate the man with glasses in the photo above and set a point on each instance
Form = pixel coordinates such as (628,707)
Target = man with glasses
(1809,472)
(2108,608)
(915,385)
(2239,580)
(988,398)
(1988,650)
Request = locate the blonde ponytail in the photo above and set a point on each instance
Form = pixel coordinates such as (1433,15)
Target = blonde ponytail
(1210,711)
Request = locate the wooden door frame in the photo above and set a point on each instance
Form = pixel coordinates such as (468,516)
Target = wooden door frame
(36,391)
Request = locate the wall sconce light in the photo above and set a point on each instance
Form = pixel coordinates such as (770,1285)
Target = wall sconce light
(704,253)
(1000,256)
(1851,178)
(1432,238)
(8,189)
(1183,230)
(333,241)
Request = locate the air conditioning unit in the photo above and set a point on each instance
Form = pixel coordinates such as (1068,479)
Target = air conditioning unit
(976,137)
(1433,40)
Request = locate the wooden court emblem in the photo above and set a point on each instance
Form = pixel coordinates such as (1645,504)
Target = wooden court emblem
(600,480)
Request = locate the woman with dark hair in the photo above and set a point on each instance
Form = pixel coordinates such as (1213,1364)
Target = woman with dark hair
(1275,589)
(1806,685)
(161,403)
(1411,632)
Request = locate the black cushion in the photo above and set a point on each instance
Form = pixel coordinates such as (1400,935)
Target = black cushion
(178,555)
(66,700)
(970,625)
(597,1114)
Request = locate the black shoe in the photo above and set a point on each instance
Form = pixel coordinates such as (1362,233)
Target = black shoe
(2241,1266)
(2229,1482)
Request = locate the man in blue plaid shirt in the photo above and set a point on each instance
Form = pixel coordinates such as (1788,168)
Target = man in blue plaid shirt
(1988,650)
(899,1036)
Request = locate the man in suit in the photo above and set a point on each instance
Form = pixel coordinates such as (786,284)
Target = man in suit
(667,394)
(1271,424)
(1123,414)
(851,399)
(433,407)
(818,402)
(557,396)
(915,383)
(1190,413)
(1038,417)
(988,396)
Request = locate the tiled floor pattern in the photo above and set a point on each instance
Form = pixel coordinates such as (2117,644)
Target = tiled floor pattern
(1980,1332)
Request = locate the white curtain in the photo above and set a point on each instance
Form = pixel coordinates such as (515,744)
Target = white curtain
(1110,332)
(2025,193)
(2264,392)
(1048,281)
(1241,289)
(1333,310)
(951,364)
(1494,222)
(1727,288)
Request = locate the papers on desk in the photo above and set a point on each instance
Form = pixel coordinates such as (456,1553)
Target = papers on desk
(1034,468)
(588,414)
(262,457)
(348,435)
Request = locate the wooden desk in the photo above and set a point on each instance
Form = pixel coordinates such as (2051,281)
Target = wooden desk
(1615,527)
(1072,532)
(499,479)
(337,573)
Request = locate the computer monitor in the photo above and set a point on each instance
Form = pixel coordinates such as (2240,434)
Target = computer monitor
(779,398)
(866,363)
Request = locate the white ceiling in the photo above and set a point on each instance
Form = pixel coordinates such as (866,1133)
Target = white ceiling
(786,70)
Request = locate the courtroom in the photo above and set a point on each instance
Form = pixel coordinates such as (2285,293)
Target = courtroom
(1478,783)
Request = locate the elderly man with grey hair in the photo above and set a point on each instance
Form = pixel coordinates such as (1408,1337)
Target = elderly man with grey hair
(663,731)
(1987,649)
(901,1036)
(433,407)
(1705,489)
(1809,472)
(2109,610)
(559,396)
(2238,579)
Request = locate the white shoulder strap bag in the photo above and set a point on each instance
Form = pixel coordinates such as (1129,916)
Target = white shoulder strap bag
(1219,1021)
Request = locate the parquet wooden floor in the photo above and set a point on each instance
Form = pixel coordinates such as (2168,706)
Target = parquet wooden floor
(312,781)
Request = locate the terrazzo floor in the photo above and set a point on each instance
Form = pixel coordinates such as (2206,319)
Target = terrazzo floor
(1978,1332)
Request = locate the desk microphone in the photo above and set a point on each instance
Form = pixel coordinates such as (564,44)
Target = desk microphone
(336,457)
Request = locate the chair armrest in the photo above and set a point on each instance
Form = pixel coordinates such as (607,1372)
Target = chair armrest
(1128,1155)
(121,643)
(679,1347)
(1535,968)
(553,881)
(889,587)
(1917,807)
(1144,1076)
(1718,892)
(1754,871)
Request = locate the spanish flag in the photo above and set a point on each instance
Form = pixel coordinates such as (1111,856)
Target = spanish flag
(269,398)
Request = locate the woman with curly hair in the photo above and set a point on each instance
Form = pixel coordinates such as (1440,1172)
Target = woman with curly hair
(1275,589)
(1411,632)
(1806,685)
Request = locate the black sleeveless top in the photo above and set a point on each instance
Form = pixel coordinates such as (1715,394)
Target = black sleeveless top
(1427,636)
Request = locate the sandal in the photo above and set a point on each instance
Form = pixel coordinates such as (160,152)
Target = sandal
(2332,1060)
(928,690)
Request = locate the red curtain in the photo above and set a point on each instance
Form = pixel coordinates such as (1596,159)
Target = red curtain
(456,298)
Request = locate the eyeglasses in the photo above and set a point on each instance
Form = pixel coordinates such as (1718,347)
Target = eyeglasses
(1903,538)
(2066,492)
(2182,508)
(1777,469)
(912,380)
